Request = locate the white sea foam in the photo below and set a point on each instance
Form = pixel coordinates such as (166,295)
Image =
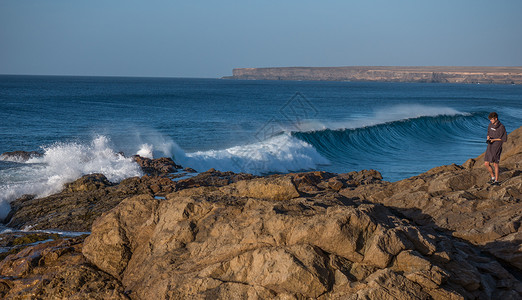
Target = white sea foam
(146,151)
(15,158)
(146,142)
(282,153)
(66,162)
(62,163)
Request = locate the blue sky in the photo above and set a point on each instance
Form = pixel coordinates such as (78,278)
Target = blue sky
(209,38)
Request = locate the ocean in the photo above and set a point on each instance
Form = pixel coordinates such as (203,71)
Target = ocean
(83,124)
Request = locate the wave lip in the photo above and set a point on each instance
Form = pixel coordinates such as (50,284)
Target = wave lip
(383,116)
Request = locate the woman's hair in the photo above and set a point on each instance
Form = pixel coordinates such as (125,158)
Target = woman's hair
(493,115)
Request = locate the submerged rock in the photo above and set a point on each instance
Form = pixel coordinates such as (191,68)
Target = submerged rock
(19,156)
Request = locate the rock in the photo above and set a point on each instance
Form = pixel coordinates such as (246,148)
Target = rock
(335,184)
(189,170)
(19,156)
(86,183)
(420,270)
(508,248)
(246,240)
(157,166)
(213,178)
(273,188)
(386,284)
(312,182)
(307,182)
(81,202)
(55,270)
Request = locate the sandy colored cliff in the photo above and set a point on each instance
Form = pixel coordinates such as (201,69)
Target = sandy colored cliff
(435,74)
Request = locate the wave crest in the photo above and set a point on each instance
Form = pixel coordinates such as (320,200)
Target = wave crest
(383,116)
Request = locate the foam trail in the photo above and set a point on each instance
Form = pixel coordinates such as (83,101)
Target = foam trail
(279,154)
(62,163)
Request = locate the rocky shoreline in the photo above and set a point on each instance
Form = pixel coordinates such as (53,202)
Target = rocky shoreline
(444,234)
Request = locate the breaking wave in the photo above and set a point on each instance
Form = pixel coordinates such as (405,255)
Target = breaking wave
(383,137)
(62,163)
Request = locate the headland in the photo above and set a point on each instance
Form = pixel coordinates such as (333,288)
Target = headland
(428,74)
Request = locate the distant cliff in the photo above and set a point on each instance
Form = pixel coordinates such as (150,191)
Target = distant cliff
(500,75)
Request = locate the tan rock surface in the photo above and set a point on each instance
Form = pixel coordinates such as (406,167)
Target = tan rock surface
(216,242)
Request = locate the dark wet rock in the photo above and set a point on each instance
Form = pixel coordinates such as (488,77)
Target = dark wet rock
(213,178)
(14,242)
(84,200)
(81,202)
(311,182)
(20,156)
(157,166)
